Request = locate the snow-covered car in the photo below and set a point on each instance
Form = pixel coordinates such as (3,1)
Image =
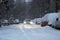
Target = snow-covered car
(51,19)
(4,21)
(16,21)
(28,21)
(37,20)
(57,24)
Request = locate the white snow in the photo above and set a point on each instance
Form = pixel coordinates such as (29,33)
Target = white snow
(22,32)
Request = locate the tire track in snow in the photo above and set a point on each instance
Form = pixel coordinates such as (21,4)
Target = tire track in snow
(24,31)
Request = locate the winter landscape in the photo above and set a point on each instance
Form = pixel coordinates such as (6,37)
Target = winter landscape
(29,20)
(25,31)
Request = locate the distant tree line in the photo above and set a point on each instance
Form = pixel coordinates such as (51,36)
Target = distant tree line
(5,6)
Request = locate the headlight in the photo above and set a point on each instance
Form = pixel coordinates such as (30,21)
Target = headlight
(31,22)
(24,22)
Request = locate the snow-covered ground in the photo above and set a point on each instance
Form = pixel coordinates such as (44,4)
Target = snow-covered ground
(28,32)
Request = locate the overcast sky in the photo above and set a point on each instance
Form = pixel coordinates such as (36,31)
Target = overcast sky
(25,0)
(28,0)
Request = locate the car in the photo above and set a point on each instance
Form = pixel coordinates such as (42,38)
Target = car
(16,21)
(4,22)
(57,24)
(28,21)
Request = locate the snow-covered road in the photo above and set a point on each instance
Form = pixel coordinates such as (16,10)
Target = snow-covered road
(28,32)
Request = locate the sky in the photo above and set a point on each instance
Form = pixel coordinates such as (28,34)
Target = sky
(28,0)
